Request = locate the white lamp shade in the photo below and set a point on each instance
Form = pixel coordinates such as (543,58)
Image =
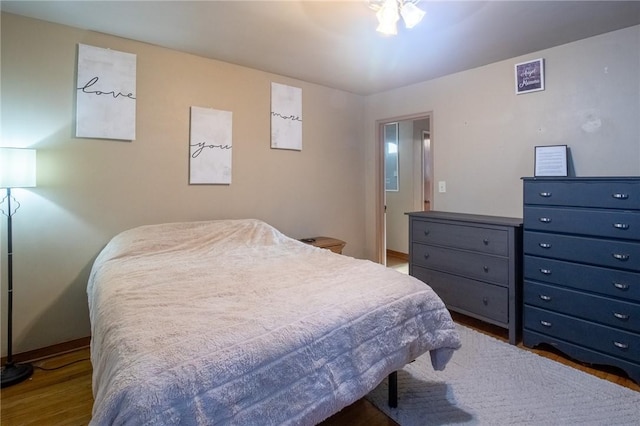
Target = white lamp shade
(387,28)
(411,14)
(17,167)
(387,17)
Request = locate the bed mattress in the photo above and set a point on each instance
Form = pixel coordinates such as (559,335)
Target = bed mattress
(232,322)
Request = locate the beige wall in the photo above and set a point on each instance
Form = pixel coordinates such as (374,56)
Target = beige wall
(484,135)
(89,190)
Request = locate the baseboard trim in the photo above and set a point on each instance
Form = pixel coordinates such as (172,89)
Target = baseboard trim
(398,255)
(50,351)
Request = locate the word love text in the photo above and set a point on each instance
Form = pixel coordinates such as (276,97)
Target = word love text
(87,89)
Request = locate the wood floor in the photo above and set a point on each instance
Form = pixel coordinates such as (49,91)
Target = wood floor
(56,397)
(61,395)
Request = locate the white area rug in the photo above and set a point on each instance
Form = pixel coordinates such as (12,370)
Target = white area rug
(489,382)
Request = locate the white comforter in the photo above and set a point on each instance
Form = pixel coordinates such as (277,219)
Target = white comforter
(231,322)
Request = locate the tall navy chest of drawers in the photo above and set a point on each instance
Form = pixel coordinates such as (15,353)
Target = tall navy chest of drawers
(582,268)
(472,262)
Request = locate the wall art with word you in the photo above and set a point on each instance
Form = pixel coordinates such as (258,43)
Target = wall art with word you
(210,146)
(105,94)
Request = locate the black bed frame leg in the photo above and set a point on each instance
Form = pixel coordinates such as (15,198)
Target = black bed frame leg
(393,389)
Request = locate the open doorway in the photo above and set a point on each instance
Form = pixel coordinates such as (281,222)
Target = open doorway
(405,183)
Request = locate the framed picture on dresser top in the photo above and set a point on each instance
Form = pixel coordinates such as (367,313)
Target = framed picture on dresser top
(551,160)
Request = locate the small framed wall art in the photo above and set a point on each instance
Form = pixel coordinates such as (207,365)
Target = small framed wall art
(529,76)
(551,160)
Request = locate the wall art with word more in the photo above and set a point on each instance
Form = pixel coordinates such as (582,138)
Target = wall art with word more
(286,117)
(210,146)
(106,94)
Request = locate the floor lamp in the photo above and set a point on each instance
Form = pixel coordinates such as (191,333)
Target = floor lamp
(17,170)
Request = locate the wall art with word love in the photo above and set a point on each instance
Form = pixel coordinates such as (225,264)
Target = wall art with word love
(105,94)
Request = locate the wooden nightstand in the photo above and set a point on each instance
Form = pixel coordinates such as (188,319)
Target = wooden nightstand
(333,244)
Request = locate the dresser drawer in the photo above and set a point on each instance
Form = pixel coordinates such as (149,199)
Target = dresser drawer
(601,252)
(597,222)
(486,240)
(594,308)
(606,194)
(610,282)
(484,267)
(619,343)
(467,296)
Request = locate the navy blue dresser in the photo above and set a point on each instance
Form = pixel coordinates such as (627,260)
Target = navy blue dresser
(581,247)
(472,262)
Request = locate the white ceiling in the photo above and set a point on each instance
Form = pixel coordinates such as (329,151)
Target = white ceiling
(334,43)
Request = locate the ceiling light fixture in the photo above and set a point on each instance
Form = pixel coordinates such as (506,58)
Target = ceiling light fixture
(389,12)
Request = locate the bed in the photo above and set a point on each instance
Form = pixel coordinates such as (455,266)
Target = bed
(232,322)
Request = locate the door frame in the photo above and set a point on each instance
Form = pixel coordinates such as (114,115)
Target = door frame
(380,199)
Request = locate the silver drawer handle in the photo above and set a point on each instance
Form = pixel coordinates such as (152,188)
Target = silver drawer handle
(620,345)
(544,219)
(545,323)
(426,232)
(620,196)
(620,316)
(426,255)
(621,257)
(545,271)
(621,226)
(545,297)
(485,268)
(545,194)
(485,241)
(545,245)
(621,286)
